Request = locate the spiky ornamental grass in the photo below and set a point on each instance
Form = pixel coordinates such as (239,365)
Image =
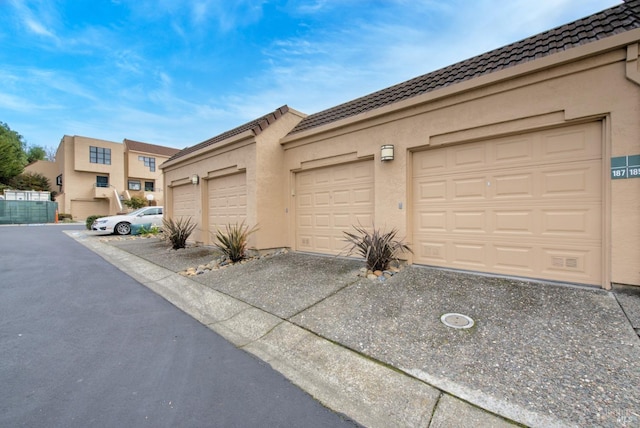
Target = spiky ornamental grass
(177,232)
(378,248)
(233,241)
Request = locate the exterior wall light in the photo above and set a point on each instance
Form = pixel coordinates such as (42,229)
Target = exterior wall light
(386,152)
(195,179)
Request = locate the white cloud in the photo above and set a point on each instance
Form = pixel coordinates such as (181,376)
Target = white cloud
(37,28)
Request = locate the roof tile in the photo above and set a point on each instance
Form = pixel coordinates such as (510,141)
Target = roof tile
(150,148)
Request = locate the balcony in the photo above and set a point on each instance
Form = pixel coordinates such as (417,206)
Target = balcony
(102,191)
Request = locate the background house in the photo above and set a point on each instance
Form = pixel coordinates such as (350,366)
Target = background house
(93,176)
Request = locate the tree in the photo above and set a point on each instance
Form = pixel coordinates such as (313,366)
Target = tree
(30,181)
(135,202)
(51,154)
(35,153)
(12,155)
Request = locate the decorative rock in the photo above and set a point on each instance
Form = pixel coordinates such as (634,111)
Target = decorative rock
(378,273)
(372,276)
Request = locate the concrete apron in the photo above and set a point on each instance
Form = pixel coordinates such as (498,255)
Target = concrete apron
(375,387)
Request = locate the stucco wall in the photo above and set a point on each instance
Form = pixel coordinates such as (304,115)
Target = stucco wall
(260,158)
(137,171)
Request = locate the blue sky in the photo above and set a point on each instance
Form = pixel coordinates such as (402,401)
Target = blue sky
(177,72)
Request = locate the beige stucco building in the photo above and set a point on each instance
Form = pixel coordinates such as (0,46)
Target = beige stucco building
(233,177)
(523,161)
(93,176)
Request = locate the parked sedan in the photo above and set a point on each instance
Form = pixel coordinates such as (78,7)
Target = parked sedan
(121,224)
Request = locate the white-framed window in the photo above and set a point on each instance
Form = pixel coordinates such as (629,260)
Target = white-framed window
(133,184)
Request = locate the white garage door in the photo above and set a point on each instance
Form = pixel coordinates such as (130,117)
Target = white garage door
(184,202)
(527,205)
(329,201)
(227,201)
(84,209)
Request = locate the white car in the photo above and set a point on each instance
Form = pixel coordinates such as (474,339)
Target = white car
(121,224)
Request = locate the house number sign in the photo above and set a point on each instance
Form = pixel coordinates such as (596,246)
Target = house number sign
(625,167)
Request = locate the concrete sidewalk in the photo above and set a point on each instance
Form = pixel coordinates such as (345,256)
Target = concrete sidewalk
(538,354)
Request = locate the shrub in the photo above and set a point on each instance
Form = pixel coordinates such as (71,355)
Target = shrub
(233,242)
(151,231)
(177,232)
(378,249)
(89,221)
(135,202)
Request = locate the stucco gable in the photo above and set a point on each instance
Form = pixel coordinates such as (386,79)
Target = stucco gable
(255,126)
(612,21)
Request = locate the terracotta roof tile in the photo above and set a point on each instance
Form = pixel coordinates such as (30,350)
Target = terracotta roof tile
(618,19)
(149,148)
(256,126)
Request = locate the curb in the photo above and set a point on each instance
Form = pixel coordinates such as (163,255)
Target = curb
(365,390)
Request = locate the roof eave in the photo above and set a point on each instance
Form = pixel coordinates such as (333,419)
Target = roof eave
(248,134)
(580,52)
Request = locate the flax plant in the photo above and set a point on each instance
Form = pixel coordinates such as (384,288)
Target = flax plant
(177,232)
(378,248)
(234,240)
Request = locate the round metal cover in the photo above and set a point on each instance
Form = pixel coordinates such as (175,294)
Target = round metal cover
(456,321)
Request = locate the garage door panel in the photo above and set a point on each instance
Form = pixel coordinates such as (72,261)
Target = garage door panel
(514,222)
(227,201)
(343,221)
(364,219)
(322,220)
(571,264)
(576,142)
(432,191)
(469,156)
(469,255)
(470,188)
(575,180)
(575,222)
(514,258)
(322,199)
(517,185)
(435,252)
(435,221)
(329,201)
(517,150)
(184,201)
(496,206)
(424,165)
(470,221)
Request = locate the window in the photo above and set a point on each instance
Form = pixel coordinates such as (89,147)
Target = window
(153,211)
(102,181)
(134,184)
(149,186)
(99,155)
(148,162)
(59,180)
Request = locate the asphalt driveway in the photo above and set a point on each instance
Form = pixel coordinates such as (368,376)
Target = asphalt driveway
(83,344)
